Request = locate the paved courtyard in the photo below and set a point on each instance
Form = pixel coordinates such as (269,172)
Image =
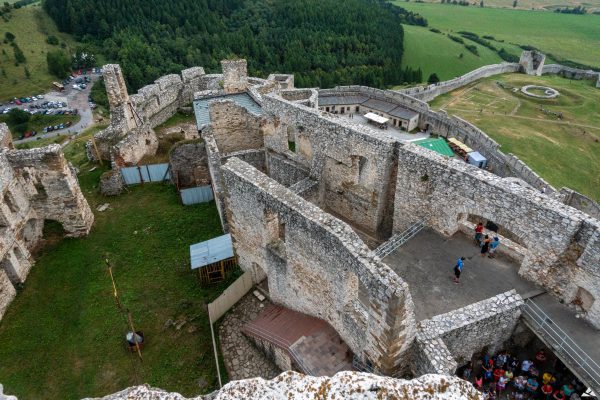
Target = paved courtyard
(426,261)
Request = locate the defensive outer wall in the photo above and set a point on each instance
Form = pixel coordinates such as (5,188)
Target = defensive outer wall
(35,186)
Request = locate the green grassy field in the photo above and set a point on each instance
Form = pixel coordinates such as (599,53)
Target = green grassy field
(564,152)
(31,26)
(63,337)
(435,52)
(590,5)
(572,37)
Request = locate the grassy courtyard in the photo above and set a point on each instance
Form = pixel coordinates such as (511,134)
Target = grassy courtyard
(63,337)
(565,152)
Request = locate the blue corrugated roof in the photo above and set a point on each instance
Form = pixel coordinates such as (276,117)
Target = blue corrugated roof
(211,251)
(241,99)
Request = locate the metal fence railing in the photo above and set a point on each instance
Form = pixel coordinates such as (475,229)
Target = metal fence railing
(398,240)
(573,355)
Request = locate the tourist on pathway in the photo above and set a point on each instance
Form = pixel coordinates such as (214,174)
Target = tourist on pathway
(559,395)
(501,385)
(458,269)
(485,246)
(478,233)
(478,382)
(493,246)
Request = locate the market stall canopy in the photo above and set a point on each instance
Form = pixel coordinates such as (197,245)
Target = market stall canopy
(376,118)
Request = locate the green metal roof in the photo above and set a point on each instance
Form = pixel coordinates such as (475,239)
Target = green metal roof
(438,145)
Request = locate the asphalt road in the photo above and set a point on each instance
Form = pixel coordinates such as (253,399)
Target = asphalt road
(75,99)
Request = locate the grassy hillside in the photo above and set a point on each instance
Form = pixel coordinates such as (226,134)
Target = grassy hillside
(572,37)
(435,52)
(31,26)
(565,152)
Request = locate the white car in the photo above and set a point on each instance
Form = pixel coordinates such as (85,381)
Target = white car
(40,97)
(33,98)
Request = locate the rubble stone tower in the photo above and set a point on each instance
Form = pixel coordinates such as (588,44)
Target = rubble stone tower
(121,108)
(235,75)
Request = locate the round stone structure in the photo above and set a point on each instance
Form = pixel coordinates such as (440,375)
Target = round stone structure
(549,93)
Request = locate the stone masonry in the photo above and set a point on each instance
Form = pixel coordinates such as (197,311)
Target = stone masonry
(35,185)
(294,244)
(235,76)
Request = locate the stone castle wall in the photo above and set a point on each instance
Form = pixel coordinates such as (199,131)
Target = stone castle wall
(234,128)
(294,243)
(353,165)
(35,185)
(572,73)
(487,324)
(562,243)
(430,92)
(189,164)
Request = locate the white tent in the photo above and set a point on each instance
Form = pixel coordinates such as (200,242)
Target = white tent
(376,118)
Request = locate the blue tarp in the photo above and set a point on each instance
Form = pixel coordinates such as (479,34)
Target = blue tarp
(195,195)
(211,251)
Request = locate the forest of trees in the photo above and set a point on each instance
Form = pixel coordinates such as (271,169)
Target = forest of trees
(323,42)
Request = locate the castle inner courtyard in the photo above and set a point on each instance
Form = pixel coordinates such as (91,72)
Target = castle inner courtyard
(426,263)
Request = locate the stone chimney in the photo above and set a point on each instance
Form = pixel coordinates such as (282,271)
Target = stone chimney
(235,76)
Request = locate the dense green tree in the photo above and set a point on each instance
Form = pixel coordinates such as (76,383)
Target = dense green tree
(433,78)
(59,64)
(9,36)
(17,116)
(323,42)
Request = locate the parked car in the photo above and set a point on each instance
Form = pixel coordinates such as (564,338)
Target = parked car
(68,123)
(33,133)
(18,102)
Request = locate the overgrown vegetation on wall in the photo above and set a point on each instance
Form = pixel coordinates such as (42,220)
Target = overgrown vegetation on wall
(323,42)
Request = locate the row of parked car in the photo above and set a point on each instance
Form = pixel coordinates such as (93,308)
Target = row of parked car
(79,81)
(57,127)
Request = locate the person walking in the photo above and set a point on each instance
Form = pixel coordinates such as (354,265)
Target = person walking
(458,269)
(485,246)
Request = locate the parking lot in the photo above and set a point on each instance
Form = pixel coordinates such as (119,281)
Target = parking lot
(70,101)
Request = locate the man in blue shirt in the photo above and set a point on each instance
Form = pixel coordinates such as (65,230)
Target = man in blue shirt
(458,269)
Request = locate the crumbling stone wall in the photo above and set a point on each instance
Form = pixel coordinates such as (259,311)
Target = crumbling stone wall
(35,185)
(317,265)
(139,143)
(5,137)
(532,62)
(562,244)
(485,324)
(189,164)
(283,170)
(430,92)
(352,163)
(348,385)
(579,201)
(235,76)
(235,128)
(572,73)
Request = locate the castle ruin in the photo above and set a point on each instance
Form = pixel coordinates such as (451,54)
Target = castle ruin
(36,185)
(311,197)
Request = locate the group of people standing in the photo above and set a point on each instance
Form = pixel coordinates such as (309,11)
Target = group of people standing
(487,244)
(488,247)
(504,376)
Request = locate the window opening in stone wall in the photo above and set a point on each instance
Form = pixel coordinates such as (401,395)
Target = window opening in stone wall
(292,146)
(362,162)
(357,109)
(41,190)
